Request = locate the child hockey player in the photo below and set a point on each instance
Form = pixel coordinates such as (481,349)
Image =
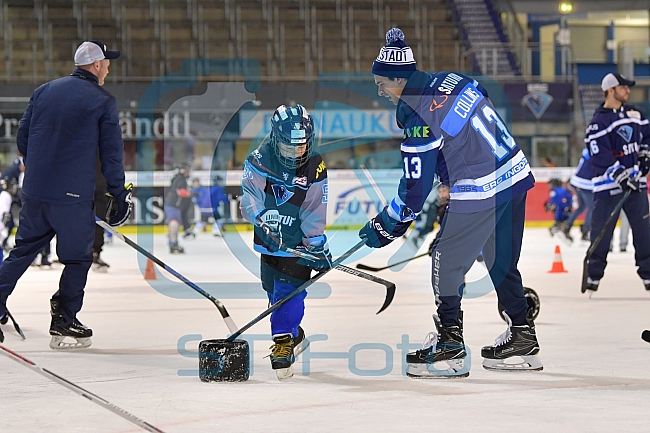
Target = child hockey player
(560,203)
(284,195)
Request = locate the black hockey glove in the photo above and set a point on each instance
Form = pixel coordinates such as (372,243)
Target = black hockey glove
(119,207)
(550,206)
(382,230)
(644,159)
(622,177)
(268,229)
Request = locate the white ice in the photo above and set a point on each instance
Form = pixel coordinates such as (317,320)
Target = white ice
(596,374)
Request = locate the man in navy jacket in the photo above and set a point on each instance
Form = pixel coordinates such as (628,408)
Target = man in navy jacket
(68,122)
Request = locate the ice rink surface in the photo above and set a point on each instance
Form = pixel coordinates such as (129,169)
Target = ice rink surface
(596,374)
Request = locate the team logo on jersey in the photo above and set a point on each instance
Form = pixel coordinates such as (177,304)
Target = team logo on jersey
(437,104)
(281,194)
(537,103)
(320,169)
(302,181)
(285,176)
(625,131)
(257,155)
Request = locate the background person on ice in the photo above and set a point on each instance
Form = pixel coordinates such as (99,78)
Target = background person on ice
(67,123)
(559,202)
(284,194)
(449,122)
(618,139)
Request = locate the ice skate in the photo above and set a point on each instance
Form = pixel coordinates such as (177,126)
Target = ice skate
(300,343)
(514,350)
(60,330)
(99,265)
(45,263)
(176,249)
(189,234)
(282,356)
(563,232)
(215,230)
(591,287)
(4,319)
(442,355)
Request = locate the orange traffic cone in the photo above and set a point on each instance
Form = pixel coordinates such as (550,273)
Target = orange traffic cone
(150,271)
(557,267)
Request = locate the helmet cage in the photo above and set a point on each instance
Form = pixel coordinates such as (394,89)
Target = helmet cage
(291,128)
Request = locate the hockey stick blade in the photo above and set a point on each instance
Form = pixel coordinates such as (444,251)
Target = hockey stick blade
(79,390)
(645,336)
(302,287)
(370,268)
(217,303)
(16,326)
(594,244)
(390,287)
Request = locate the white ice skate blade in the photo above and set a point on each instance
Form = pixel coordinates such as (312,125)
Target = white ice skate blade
(300,347)
(453,368)
(514,363)
(284,373)
(58,343)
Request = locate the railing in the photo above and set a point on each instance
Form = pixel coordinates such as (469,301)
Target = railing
(484,58)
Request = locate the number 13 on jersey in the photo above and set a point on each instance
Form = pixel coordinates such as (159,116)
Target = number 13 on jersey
(498,148)
(412,167)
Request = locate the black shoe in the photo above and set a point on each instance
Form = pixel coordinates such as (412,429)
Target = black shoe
(2,337)
(189,234)
(446,345)
(282,356)
(623,249)
(300,343)
(585,236)
(565,230)
(3,319)
(517,341)
(590,287)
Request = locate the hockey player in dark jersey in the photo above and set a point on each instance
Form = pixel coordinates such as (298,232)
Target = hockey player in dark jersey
(284,195)
(449,121)
(618,139)
(175,198)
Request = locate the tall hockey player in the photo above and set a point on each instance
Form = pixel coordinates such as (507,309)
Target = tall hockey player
(618,139)
(67,123)
(449,121)
(284,194)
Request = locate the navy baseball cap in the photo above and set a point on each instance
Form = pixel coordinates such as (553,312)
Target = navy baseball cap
(91,51)
(613,80)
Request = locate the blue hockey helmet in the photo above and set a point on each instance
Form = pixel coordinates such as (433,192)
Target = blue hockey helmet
(292,130)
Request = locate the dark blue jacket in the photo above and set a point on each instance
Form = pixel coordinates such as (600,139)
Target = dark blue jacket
(67,122)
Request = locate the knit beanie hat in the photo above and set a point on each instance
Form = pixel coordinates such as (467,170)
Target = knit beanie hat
(395,60)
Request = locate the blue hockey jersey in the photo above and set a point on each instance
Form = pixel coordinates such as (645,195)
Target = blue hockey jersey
(449,122)
(582,176)
(613,139)
(562,199)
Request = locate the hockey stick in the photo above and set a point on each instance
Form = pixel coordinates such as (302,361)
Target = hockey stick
(79,390)
(304,286)
(370,268)
(217,303)
(16,326)
(390,286)
(594,244)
